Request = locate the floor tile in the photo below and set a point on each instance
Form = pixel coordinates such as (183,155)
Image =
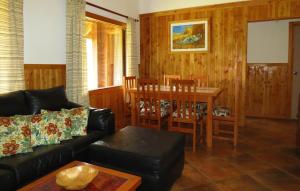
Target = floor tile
(276,158)
(266,158)
(206,187)
(190,178)
(278,180)
(216,169)
(247,163)
(293,169)
(244,183)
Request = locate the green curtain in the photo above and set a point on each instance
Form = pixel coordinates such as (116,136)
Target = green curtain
(76,84)
(11,46)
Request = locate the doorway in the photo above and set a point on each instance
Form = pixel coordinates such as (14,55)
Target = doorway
(294,50)
(269,70)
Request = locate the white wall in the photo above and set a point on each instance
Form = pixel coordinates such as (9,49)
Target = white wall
(268,42)
(45,27)
(147,6)
(44,32)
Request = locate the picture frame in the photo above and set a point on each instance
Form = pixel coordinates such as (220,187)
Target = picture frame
(189,36)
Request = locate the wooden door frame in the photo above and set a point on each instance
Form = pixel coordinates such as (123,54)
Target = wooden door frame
(292,25)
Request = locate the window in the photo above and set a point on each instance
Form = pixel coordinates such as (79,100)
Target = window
(104,50)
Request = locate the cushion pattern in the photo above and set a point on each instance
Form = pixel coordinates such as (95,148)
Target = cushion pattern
(17,138)
(45,129)
(164,108)
(221,111)
(64,124)
(79,118)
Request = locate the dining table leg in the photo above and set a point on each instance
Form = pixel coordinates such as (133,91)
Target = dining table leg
(209,122)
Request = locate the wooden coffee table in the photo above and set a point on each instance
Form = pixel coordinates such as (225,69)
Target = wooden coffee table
(107,180)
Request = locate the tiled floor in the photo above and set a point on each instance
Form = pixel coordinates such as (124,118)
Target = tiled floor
(265,159)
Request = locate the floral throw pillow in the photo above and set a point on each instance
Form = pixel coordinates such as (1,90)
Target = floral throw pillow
(45,129)
(17,136)
(65,124)
(79,117)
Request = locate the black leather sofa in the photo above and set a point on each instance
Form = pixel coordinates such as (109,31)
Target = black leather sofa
(21,169)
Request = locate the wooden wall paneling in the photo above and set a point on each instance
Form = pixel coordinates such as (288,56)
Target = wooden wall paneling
(268,89)
(144,45)
(111,97)
(43,76)
(254,101)
(228,43)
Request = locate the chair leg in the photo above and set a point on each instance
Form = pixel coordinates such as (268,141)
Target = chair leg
(194,136)
(201,131)
(235,134)
(169,123)
(216,127)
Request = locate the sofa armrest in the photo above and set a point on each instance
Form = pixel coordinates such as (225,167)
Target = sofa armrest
(101,119)
(72,105)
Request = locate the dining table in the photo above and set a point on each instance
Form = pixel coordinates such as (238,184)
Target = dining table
(202,94)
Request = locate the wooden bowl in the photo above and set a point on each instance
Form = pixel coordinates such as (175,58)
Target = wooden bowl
(76,178)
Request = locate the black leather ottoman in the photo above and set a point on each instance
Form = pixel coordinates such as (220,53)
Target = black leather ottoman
(156,156)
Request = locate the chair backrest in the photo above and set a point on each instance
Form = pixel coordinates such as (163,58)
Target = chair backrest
(200,81)
(184,100)
(168,78)
(148,99)
(129,82)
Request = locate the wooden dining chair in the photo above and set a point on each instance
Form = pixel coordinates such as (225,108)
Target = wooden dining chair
(148,104)
(183,117)
(200,81)
(168,78)
(231,119)
(129,82)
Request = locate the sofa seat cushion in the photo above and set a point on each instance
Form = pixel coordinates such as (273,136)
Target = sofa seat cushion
(13,103)
(41,161)
(78,144)
(141,150)
(7,180)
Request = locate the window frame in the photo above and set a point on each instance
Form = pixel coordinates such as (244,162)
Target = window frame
(123,26)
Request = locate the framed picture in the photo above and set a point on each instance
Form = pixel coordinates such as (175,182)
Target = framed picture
(189,36)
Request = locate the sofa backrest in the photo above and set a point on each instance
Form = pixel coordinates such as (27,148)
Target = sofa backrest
(13,103)
(53,99)
(30,102)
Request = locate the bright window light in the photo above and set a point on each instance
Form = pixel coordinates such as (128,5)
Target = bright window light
(92,67)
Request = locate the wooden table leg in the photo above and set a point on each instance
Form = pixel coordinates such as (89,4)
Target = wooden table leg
(209,122)
(133,110)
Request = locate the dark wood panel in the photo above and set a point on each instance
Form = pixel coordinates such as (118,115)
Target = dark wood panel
(43,76)
(112,98)
(229,26)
